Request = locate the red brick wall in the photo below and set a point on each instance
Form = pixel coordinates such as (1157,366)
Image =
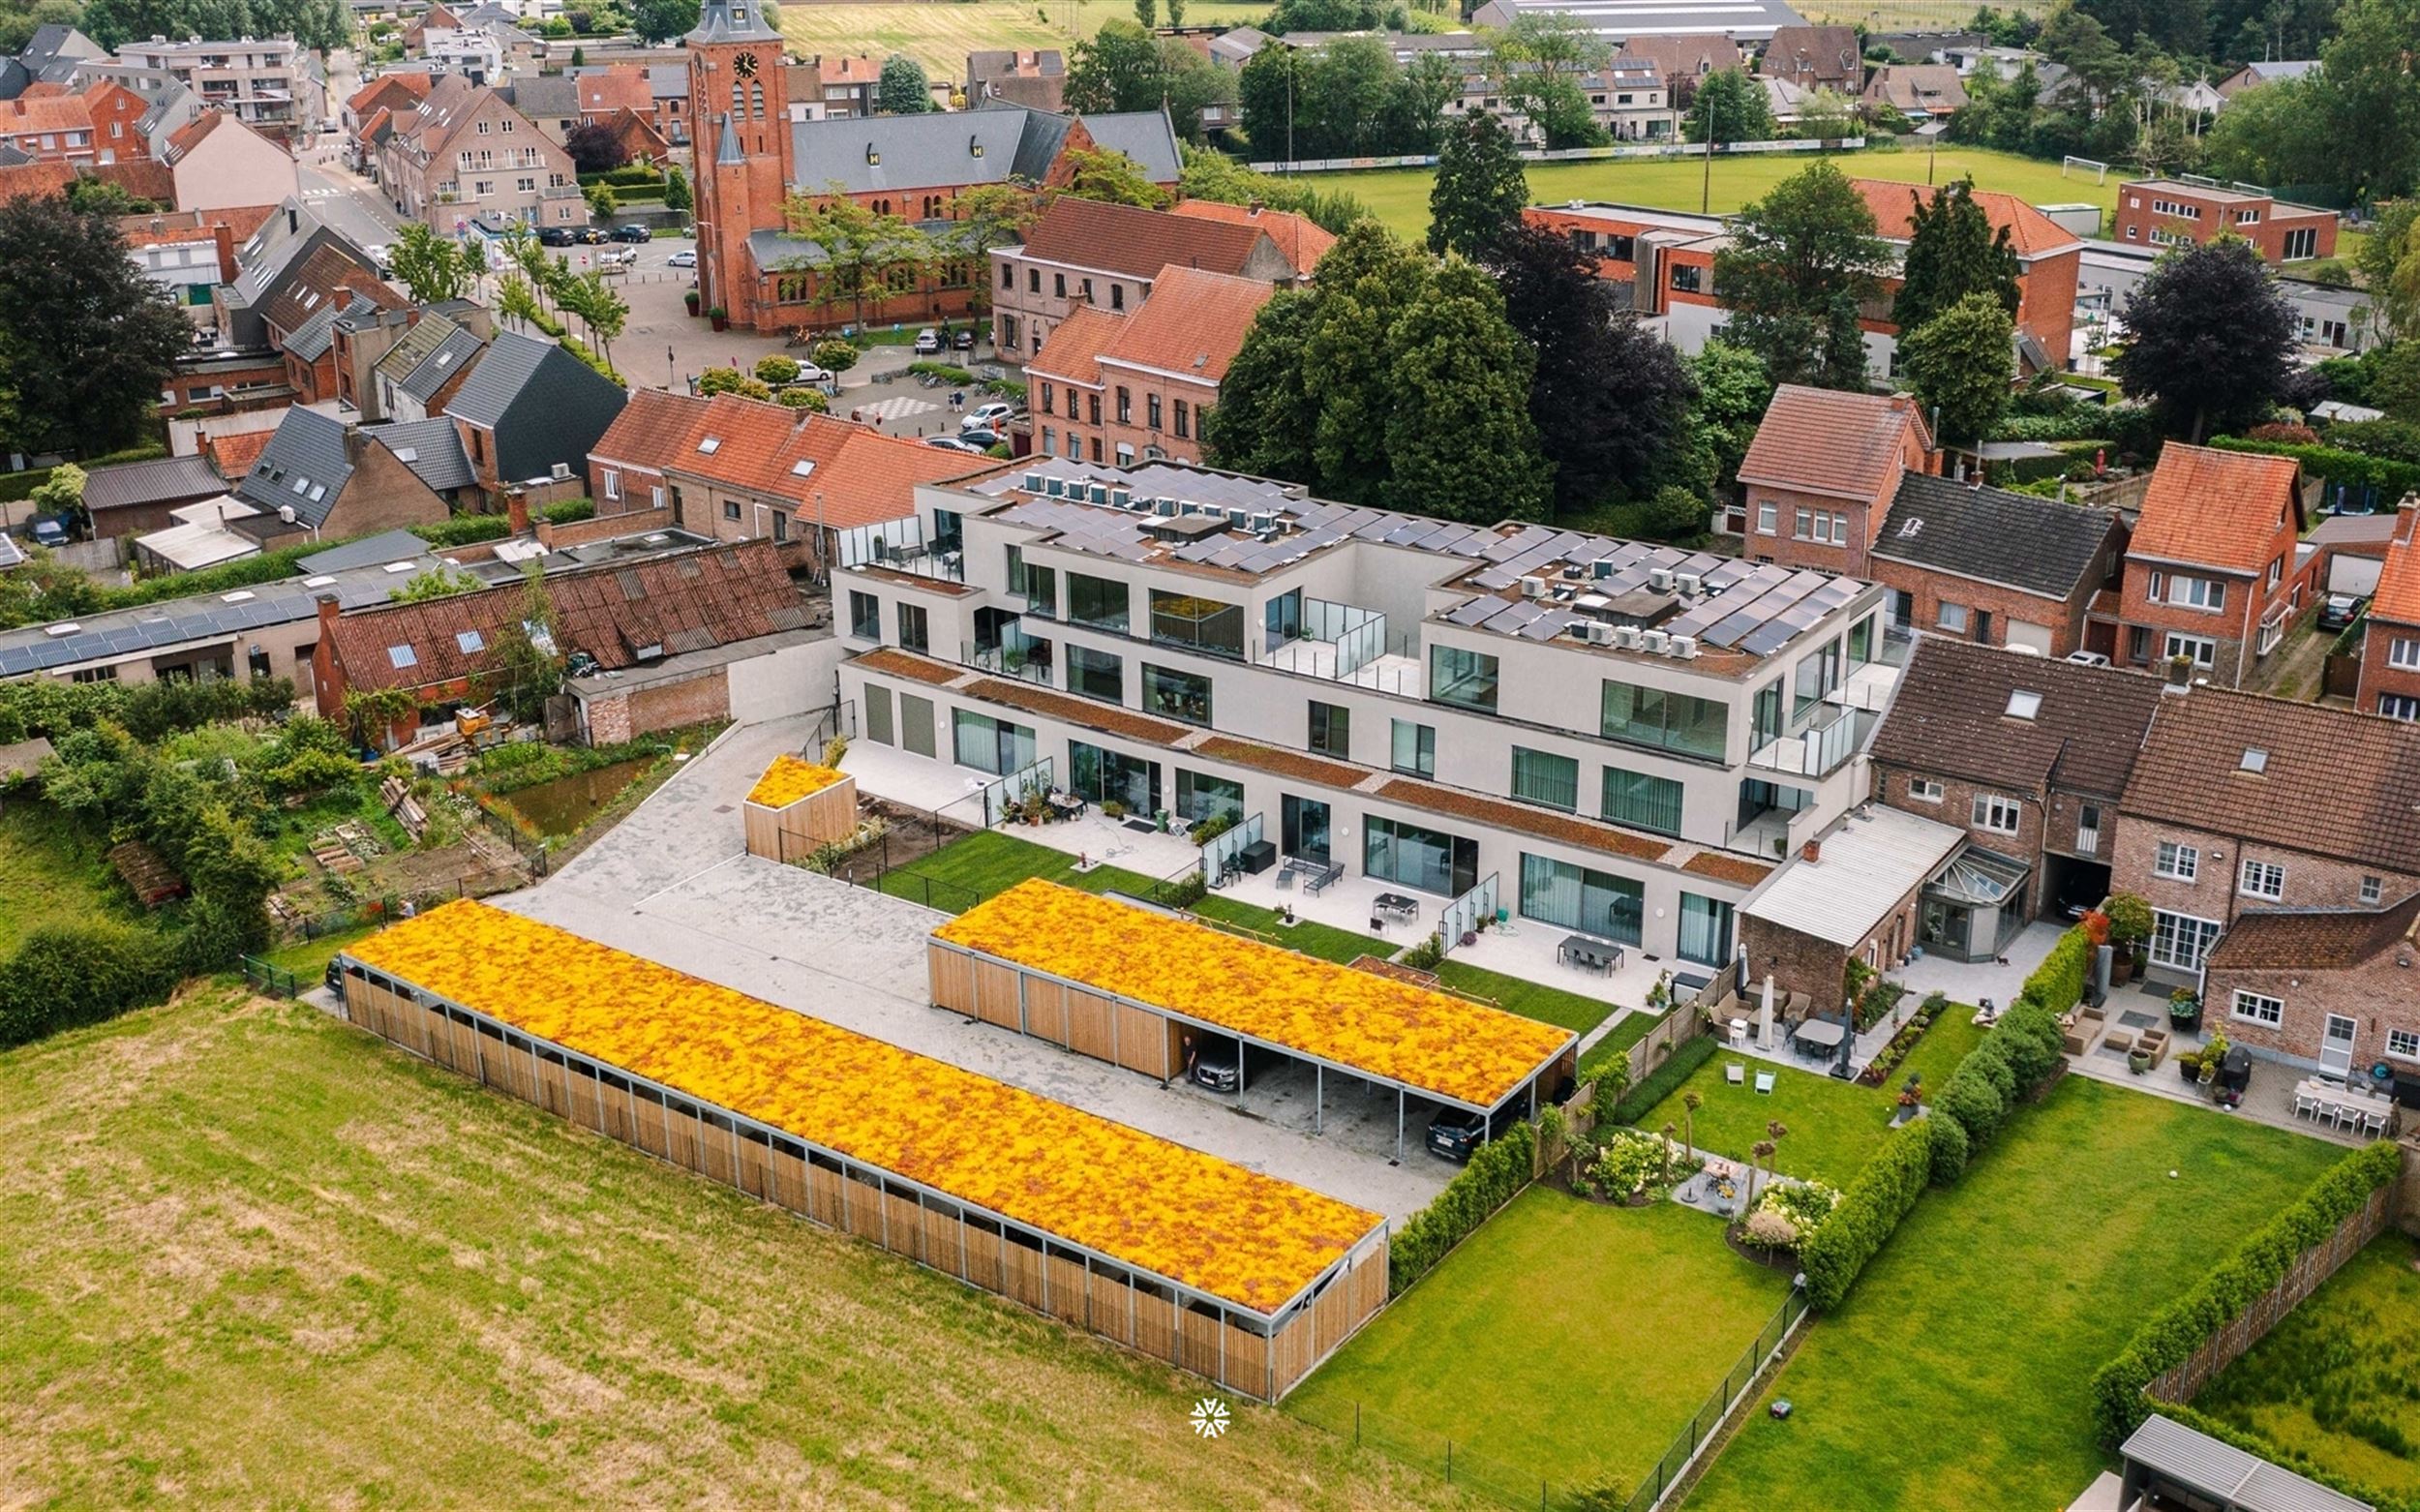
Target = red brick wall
(625,716)
(2236,626)
(1786,548)
(2377,679)
(1813,969)
(2377,996)
(1927,591)
(2310,881)
(2137,220)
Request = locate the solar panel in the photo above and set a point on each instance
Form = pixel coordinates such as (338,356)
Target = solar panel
(1471,611)
(1545,627)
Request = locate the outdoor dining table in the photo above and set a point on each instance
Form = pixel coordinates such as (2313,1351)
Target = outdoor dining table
(2338,1104)
(1821,1033)
(1580,949)
(1398,905)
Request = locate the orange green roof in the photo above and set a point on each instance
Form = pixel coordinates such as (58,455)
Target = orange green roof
(1395,1031)
(789,780)
(1236,1235)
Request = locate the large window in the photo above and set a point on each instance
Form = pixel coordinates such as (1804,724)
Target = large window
(1641,802)
(1281,619)
(1413,749)
(865,615)
(2180,940)
(2263,879)
(2179,861)
(1575,897)
(1176,695)
(1202,625)
(1332,729)
(1668,721)
(1704,930)
(1428,860)
(1097,602)
(990,745)
(1039,586)
(1095,674)
(1200,796)
(1818,673)
(913,634)
(1107,776)
(1543,777)
(2258,1008)
(1998,815)
(1462,677)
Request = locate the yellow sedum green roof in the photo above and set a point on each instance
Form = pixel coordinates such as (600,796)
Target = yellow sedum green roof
(1193,1218)
(789,780)
(1398,1031)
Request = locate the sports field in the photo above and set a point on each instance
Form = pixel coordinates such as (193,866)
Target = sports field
(940,33)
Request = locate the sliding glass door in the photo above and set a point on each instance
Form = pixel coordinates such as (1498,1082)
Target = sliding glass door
(1704,930)
(1426,860)
(1107,776)
(1304,823)
(1575,897)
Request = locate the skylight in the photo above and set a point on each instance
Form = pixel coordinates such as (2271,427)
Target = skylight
(236,597)
(2023,705)
(323,581)
(1909,529)
(406,454)
(470,640)
(2255,760)
(710,445)
(403,657)
(804,467)
(401,566)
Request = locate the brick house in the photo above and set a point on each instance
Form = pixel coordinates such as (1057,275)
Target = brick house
(2330,990)
(322,479)
(1122,387)
(1815,57)
(464,151)
(2031,756)
(531,410)
(1854,894)
(420,377)
(1996,567)
(2216,571)
(1913,91)
(2167,213)
(2390,649)
(1821,471)
(1085,254)
(2239,803)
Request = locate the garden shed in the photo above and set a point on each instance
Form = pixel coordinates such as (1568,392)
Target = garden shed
(1131,984)
(1218,1270)
(797,806)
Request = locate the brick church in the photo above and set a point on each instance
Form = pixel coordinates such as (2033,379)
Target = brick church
(752,156)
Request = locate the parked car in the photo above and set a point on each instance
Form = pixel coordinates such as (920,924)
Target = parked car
(1219,1066)
(987,417)
(952,443)
(633,233)
(1456,1132)
(381,255)
(2088,658)
(48,531)
(686,257)
(555,237)
(335,978)
(928,342)
(982,441)
(589,236)
(619,261)
(964,341)
(2339,610)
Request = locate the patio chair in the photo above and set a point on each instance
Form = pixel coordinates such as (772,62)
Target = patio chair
(1735,1073)
(1765,1083)
(2153,1042)
(2305,1103)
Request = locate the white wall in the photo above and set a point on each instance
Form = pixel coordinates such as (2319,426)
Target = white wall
(787,682)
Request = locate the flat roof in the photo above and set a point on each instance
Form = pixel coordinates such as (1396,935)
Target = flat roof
(1202,1221)
(789,780)
(1424,1041)
(1863,866)
(2216,1468)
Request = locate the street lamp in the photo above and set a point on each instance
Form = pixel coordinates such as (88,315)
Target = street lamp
(670,374)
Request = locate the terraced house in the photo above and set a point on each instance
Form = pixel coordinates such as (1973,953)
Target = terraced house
(1628,738)
(466,152)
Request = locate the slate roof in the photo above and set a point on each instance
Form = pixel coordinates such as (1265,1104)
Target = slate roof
(2333,783)
(310,286)
(553,94)
(422,339)
(370,551)
(2026,542)
(936,150)
(1950,714)
(492,390)
(2216,508)
(724,20)
(2316,939)
(1827,56)
(1138,243)
(544,404)
(431,448)
(304,468)
(457,349)
(168,480)
(1829,442)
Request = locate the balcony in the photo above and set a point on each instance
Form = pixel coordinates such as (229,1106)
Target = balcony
(1345,642)
(1822,748)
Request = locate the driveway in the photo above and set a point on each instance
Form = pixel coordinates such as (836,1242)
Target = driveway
(673,882)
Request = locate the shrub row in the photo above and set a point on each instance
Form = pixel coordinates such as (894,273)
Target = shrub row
(1691,1053)
(1868,1213)
(15,486)
(2058,983)
(2169,1336)
(82,973)
(149,710)
(2335,464)
(1976,1101)
(1498,1171)
(465,530)
(568,511)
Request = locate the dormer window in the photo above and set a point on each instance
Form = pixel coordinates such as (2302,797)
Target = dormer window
(974,146)
(872,155)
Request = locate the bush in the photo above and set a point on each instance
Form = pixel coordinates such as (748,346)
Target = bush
(568,511)
(1498,1171)
(1950,1151)
(1631,1161)
(1686,1058)
(2170,1336)
(776,369)
(16,486)
(2336,464)
(465,530)
(1427,956)
(1867,1214)
(813,399)
(82,973)
(833,355)
(2058,983)
(149,710)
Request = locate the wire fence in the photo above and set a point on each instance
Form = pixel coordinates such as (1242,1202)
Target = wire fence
(1709,1419)
(269,978)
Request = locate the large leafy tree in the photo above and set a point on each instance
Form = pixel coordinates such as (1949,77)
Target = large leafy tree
(433,268)
(661,20)
(86,341)
(1729,106)
(1799,263)
(1111,177)
(1459,439)
(860,245)
(1610,400)
(1118,68)
(1537,65)
(1479,189)
(901,88)
(1264,418)
(1733,393)
(1962,363)
(1953,251)
(2211,339)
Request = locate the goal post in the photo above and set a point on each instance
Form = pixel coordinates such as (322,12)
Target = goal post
(2100,170)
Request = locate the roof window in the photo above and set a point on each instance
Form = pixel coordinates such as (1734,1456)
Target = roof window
(2255,760)
(471,641)
(403,657)
(710,445)
(2023,705)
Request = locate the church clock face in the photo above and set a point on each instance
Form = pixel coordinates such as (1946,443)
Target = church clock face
(745,64)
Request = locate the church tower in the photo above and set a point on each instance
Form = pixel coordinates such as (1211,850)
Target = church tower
(739,98)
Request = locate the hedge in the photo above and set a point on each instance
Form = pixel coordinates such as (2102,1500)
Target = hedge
(465,530)
(150,711)
(2169,1336)
(16,486)
(1868,1214)
(1693,1052)
(1498,1171)
(2058,983)
(2335,464)
(82,973)
(568,511)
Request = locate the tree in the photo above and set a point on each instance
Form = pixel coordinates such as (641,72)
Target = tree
(599,307)
(602,203)
(1479,189)
(1961,364)
(437,583)
(2211,338)
(1609,398)
(676,195)
(775,368)
(1324,15)
(661,20)
(1690,1102)
(731,380)
(61,496)
(1111,177)
(1729,106)
(2387,265)
(1147,14)
(1733,392)
(902,89)
(1177,12)
(1190,82)
(595,148)
(1799,263)
(861,246)
(1118,69)
(105,197)
(87,340)
(1953,251)
(578,54)
(1263,421)
(1460,443)
(1538,64)
(434,267)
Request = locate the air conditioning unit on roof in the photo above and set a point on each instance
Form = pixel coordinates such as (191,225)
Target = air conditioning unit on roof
(1684,646)
(1659,579)
(1690,584)
(1533,588)
(1596,633)
(1655,643)
(1626,636)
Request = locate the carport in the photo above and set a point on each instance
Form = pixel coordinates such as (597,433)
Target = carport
(1130,985)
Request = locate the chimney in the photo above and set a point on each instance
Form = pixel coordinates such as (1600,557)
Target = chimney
(517,510)
(293,219)
(328,609)
(1811,851)
(223,235)
(2406,516)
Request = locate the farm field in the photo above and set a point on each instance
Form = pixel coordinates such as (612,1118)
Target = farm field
(1953,1375)
(940,33)
(1399,196)
(256,1257)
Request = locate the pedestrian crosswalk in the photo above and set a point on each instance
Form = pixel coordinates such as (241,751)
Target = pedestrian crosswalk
(900,406)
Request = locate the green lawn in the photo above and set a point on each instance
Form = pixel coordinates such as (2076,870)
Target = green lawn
(1399,196)
(308,960)
(1834,1126)
(254,1258)
(1955,1375)
(2338,1379)
(1565,1341)
(53,869)
(1325,941)
(1573,1010)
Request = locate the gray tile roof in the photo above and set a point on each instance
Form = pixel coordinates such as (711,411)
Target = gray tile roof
(304,468)
(2038,545)
(556,95)
(172,480)
(911,152)
(496,385)
(425,336)
(544,404)
(311,339)
(432,449)
(1950,716)
(370,551)
(458,350)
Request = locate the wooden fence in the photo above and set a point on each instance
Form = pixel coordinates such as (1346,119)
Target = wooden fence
(1683,1022)
(2313,1266)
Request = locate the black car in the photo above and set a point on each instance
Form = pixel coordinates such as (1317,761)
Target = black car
(633,233)
(555,237)
(335,978)
(1219,1066)
(1457,1132)
(964,341)
(982,440)
(589,236)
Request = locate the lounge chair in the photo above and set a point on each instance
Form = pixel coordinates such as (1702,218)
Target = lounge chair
(1734,1073)
(1765,1083)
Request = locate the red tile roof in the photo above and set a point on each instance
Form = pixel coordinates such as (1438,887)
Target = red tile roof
(1828,441)
(2030,231)
(652,427)
(2398,595)
(623,89)
(1193,323)
(1074,352)
(2318,939)
(2217,508)
(1303,240)
(391,91)
(45,112)
(1085,233)
(234,453)
(153,231)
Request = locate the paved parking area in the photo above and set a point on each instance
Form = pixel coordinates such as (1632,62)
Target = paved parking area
(673,882)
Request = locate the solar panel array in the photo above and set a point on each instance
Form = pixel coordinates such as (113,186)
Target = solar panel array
(176,622)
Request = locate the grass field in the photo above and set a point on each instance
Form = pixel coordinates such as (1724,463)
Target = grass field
(1834,1126)
(52,870)
(1955,1375)
(1399,196)
(1564,1342)
(1574,1010)
(940,33)
(2338,1379)
(254,1258)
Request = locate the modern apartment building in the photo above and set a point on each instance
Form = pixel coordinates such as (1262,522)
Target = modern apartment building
(267,81)
(1629,738)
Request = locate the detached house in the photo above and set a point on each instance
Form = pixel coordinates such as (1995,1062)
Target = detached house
(465,152)
(2390,649)
(321,478)
(1821,474)
(1983,564)
(2216,571)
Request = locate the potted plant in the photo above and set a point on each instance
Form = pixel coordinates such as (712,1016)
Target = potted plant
(720,316)
(2129,926)
(1113,809)
(2184,1008)
(2188,1067)
(690,299)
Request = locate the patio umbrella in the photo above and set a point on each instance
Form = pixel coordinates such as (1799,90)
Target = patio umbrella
(1740,964)
(1765,1015)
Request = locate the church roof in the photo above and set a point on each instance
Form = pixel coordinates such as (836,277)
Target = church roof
(733,21)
